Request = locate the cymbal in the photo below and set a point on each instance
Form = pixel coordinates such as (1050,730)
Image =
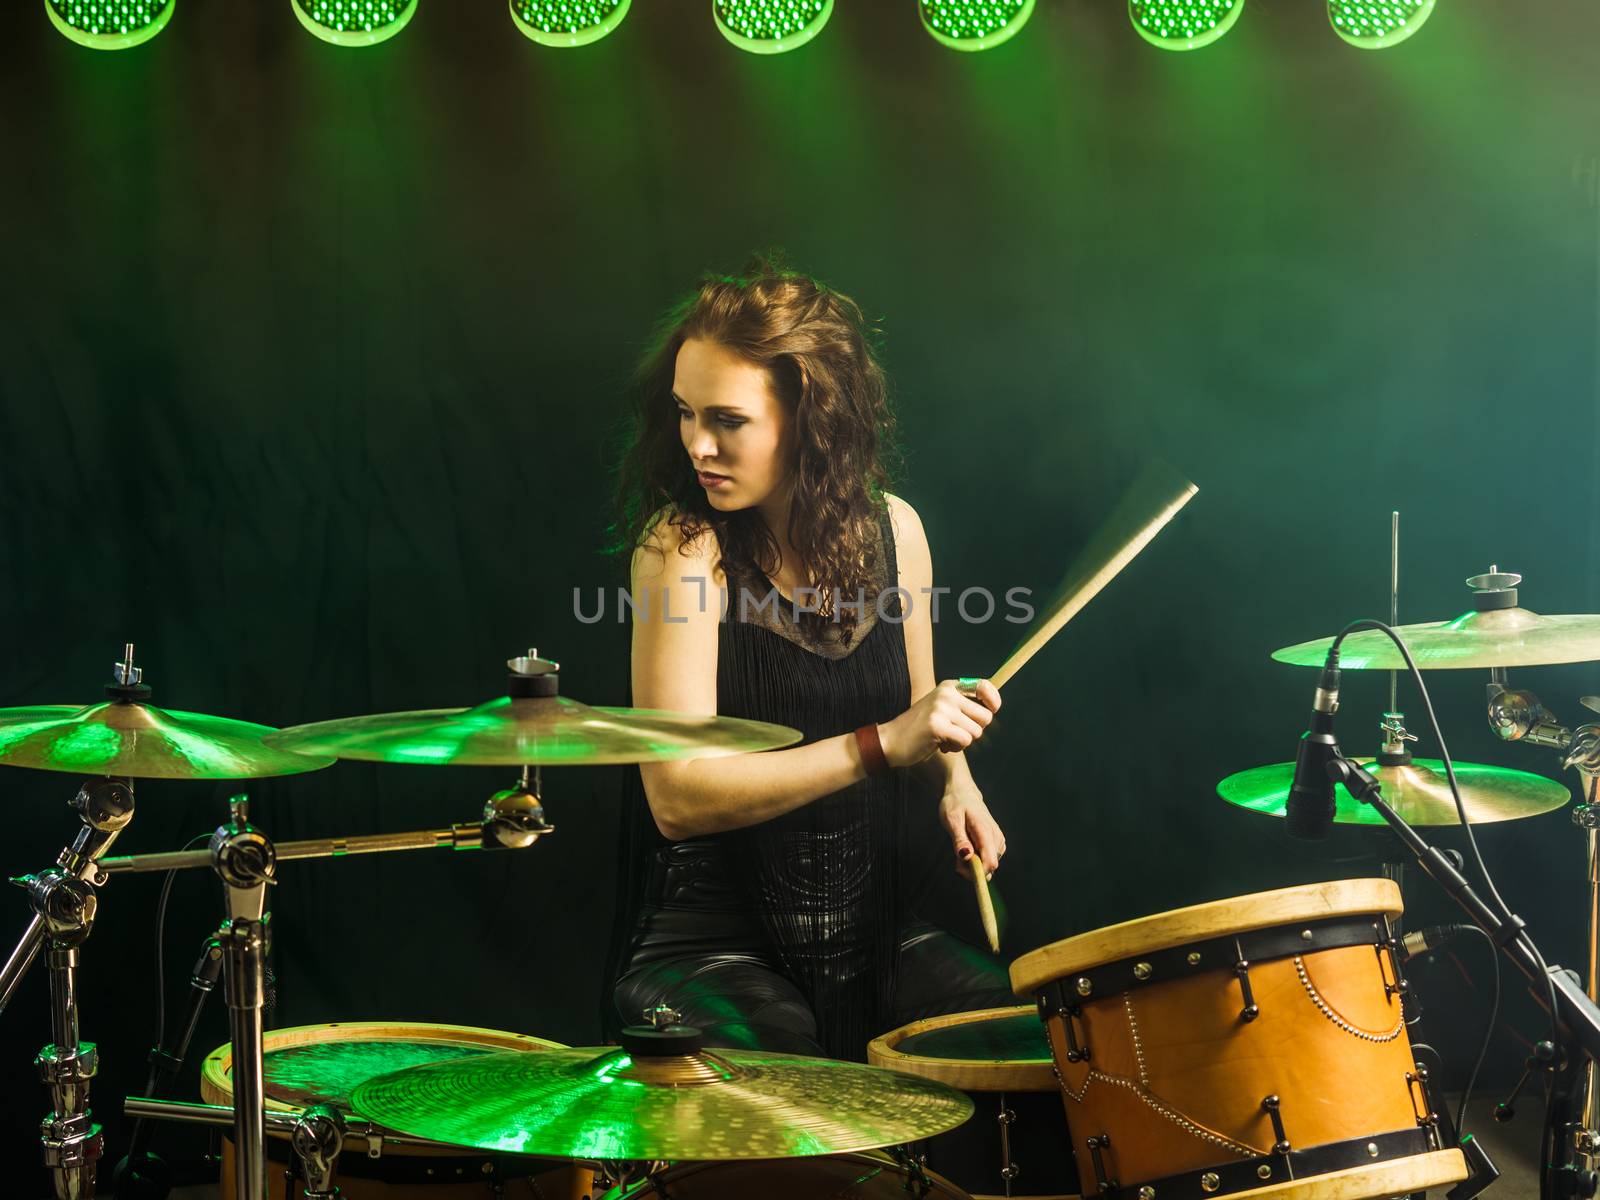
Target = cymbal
(537,730)
(1507,637)
(1419,792)
(603,1104)
(141,741)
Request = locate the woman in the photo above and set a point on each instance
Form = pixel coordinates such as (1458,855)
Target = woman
(762,896)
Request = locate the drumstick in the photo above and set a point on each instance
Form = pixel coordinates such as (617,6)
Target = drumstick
(980,883)
(1152,501)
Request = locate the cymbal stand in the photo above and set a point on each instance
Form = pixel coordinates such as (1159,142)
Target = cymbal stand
(63,900)
(244,860)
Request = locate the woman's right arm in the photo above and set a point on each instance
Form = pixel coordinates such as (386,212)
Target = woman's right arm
(675,668)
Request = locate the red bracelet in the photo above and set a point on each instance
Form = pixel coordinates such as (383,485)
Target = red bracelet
(871,747)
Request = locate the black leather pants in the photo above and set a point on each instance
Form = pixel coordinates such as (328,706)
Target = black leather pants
(699,949)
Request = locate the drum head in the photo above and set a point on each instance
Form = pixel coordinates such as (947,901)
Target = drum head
(990,1050)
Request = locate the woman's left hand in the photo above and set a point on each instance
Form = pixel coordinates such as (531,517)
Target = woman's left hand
(974,834)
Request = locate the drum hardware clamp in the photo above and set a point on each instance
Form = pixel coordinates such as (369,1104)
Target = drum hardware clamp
(316,1134)
(1007,1118)
(64,904)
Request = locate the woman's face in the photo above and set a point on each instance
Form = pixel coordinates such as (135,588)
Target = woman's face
(734,429)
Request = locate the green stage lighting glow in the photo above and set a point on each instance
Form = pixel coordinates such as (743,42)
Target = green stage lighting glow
(354,22)
(770,26)
(568,22)
(110,24)
(1375,24)
(974,24)
(1183,24)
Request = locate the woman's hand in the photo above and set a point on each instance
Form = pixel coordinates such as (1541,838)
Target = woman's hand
(944,719)
(974,834)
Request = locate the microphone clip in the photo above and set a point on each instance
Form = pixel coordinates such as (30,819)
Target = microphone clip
(1357,780)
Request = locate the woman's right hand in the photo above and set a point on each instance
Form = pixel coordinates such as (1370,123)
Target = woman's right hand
(944,719)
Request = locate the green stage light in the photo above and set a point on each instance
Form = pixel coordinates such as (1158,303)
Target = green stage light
(110,24)
(770,26)
(568,22)
(1183,24)
(354,22)
(974,24)
(1374,24)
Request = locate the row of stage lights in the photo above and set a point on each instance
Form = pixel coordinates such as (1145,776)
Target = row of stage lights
(759,26)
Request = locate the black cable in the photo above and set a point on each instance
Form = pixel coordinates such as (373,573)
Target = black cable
(1461,809)
(161,948)
(1488,1033)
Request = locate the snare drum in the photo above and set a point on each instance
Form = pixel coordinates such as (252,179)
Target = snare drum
(837,1177)
(323,1064)
(1250,1047)
(1016,1143)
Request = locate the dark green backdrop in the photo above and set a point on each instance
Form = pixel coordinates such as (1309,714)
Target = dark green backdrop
(309,358)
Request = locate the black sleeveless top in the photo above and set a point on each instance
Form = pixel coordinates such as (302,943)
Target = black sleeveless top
(823,880)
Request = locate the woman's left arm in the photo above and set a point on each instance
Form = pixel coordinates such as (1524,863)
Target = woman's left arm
(973,831)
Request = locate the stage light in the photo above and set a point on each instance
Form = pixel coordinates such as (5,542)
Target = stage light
(770,26)
(974,24)
(1375,24)
(568,22)
(110,24)
(354,22)
(1183,24)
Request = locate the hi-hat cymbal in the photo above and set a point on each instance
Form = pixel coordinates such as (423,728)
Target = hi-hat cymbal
(533,730)
(140,741)
(1418,791)
(603,1104)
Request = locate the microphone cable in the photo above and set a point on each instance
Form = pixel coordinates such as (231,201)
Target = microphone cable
(1466,825)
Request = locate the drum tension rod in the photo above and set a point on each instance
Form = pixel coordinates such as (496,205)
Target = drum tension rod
(1096,1144)
(1271,1106)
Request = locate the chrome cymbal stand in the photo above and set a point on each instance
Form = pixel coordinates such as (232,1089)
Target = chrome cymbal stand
(63,900)
(244,859)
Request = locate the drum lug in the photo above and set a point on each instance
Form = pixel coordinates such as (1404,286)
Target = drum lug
(1096,1144)
(1390,945)
(1251,1009)
(1008,1169)
(1076,1051)
(1271,1106)
(1417,1085)
(374,1144)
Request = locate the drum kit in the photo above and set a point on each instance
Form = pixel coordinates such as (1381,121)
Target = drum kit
(1258,1046)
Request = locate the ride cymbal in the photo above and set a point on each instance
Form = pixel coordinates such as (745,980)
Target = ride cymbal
(1418,791)
(604,1104)
(140,741)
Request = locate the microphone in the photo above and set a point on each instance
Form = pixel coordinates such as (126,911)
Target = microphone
(1309,813)
(1429,937)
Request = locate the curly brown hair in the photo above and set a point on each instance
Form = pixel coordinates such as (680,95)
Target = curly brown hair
(819,353)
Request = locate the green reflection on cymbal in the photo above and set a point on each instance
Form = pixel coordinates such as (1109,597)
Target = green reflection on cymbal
(547,731)
(1418,791)
(141,741)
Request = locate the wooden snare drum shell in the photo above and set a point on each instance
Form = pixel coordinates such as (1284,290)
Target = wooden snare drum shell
(561,1182)
(1175,1077)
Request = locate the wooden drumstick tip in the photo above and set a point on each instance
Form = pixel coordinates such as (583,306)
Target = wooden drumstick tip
(980,884)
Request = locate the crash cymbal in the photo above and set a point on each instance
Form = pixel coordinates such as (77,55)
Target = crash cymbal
(539,730)
(140,741)
(1418,791)
(1494,633)
(602,1103)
